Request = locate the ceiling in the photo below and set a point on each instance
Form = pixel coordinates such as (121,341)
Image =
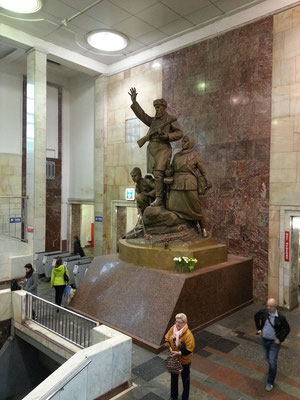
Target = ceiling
(148,24)
(145,22)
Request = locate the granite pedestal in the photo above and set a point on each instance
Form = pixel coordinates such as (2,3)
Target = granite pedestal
(142,302)
(207,251)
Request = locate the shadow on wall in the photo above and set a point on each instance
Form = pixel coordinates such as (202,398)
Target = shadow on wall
(22,368)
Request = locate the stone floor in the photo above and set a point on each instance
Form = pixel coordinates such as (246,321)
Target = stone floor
(228,362)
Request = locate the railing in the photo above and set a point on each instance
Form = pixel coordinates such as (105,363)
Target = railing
(49,395)
(13,216)
(71,326)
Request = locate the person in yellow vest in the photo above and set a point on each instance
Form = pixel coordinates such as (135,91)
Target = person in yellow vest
(181,343)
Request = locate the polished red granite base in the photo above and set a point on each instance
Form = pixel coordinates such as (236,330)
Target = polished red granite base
(142,302)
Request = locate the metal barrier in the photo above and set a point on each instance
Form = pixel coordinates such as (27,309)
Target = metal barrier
(13,216)
(62,384)
(69,325)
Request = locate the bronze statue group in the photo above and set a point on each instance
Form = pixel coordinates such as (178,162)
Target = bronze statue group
(176,186)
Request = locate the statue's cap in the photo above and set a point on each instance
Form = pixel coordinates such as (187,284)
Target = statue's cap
(161,102)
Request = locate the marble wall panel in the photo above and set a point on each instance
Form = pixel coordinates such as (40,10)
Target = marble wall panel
(10,172)
(285,149)
(53,208)
(221,91)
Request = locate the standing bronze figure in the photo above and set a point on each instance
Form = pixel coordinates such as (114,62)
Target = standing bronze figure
(164,129)
(190,179)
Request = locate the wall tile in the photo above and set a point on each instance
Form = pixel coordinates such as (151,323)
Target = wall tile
(215,87)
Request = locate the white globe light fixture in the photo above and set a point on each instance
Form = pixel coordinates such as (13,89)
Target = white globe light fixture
(107,40)
(21,6)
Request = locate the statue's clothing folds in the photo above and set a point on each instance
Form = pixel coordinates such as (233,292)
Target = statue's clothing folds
(184,198)
(144,193)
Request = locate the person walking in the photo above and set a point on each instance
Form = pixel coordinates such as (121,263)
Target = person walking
(77,246)
(31,279)
(181,343)
(273,329)
(58,280)
(31,283)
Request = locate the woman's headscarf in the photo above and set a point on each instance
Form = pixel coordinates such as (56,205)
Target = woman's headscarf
(191,142)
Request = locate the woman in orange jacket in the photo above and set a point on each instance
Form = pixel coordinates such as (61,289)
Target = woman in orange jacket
(181,343)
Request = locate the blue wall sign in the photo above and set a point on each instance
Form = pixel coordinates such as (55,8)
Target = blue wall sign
(98,219)
(15,220)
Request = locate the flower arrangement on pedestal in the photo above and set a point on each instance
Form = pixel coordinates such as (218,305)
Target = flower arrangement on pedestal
(149,239)
(185,262)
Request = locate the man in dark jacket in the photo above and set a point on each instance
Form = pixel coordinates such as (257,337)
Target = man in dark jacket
(77,246)
(273,328)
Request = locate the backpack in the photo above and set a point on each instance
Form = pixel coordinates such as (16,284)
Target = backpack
(14,285)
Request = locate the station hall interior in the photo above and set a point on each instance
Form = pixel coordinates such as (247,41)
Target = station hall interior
(230,71)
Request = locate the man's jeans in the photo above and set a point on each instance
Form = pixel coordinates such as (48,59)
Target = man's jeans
(272,350)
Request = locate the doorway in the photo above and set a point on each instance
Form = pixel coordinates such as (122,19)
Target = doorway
(124,217)
(82,224)
(289,257)
(295,245)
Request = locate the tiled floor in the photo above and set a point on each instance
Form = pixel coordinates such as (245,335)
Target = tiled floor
(228,362)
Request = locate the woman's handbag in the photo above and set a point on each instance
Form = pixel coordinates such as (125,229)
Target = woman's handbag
(66,278)
(173,366)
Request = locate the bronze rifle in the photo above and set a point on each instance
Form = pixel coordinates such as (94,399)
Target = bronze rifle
(150,133)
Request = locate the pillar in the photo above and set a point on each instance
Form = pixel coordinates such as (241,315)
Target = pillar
(36,148)
(99,160)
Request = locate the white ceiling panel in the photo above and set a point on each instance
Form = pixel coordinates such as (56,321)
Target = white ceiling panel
(84,24)
(158,15)
(229,5)
(65,38)
(78,4)
(134,6)
(108,13)
(204,14)
(133,46)
(152,37)
(133,27)
(58,9)
(185,7)
(176,27)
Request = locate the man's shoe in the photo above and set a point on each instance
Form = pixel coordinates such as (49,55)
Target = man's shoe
(269,387)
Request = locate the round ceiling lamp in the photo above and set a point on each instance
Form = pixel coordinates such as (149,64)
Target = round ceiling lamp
(107,40)
(22,6)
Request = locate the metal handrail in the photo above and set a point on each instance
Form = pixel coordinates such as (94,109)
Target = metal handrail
(67,324)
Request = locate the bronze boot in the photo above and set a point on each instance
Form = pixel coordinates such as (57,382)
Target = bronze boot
(159,190)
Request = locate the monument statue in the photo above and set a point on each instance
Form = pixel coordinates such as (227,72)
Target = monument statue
(164,128)
(144,189)
(179,216)
(190,179)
